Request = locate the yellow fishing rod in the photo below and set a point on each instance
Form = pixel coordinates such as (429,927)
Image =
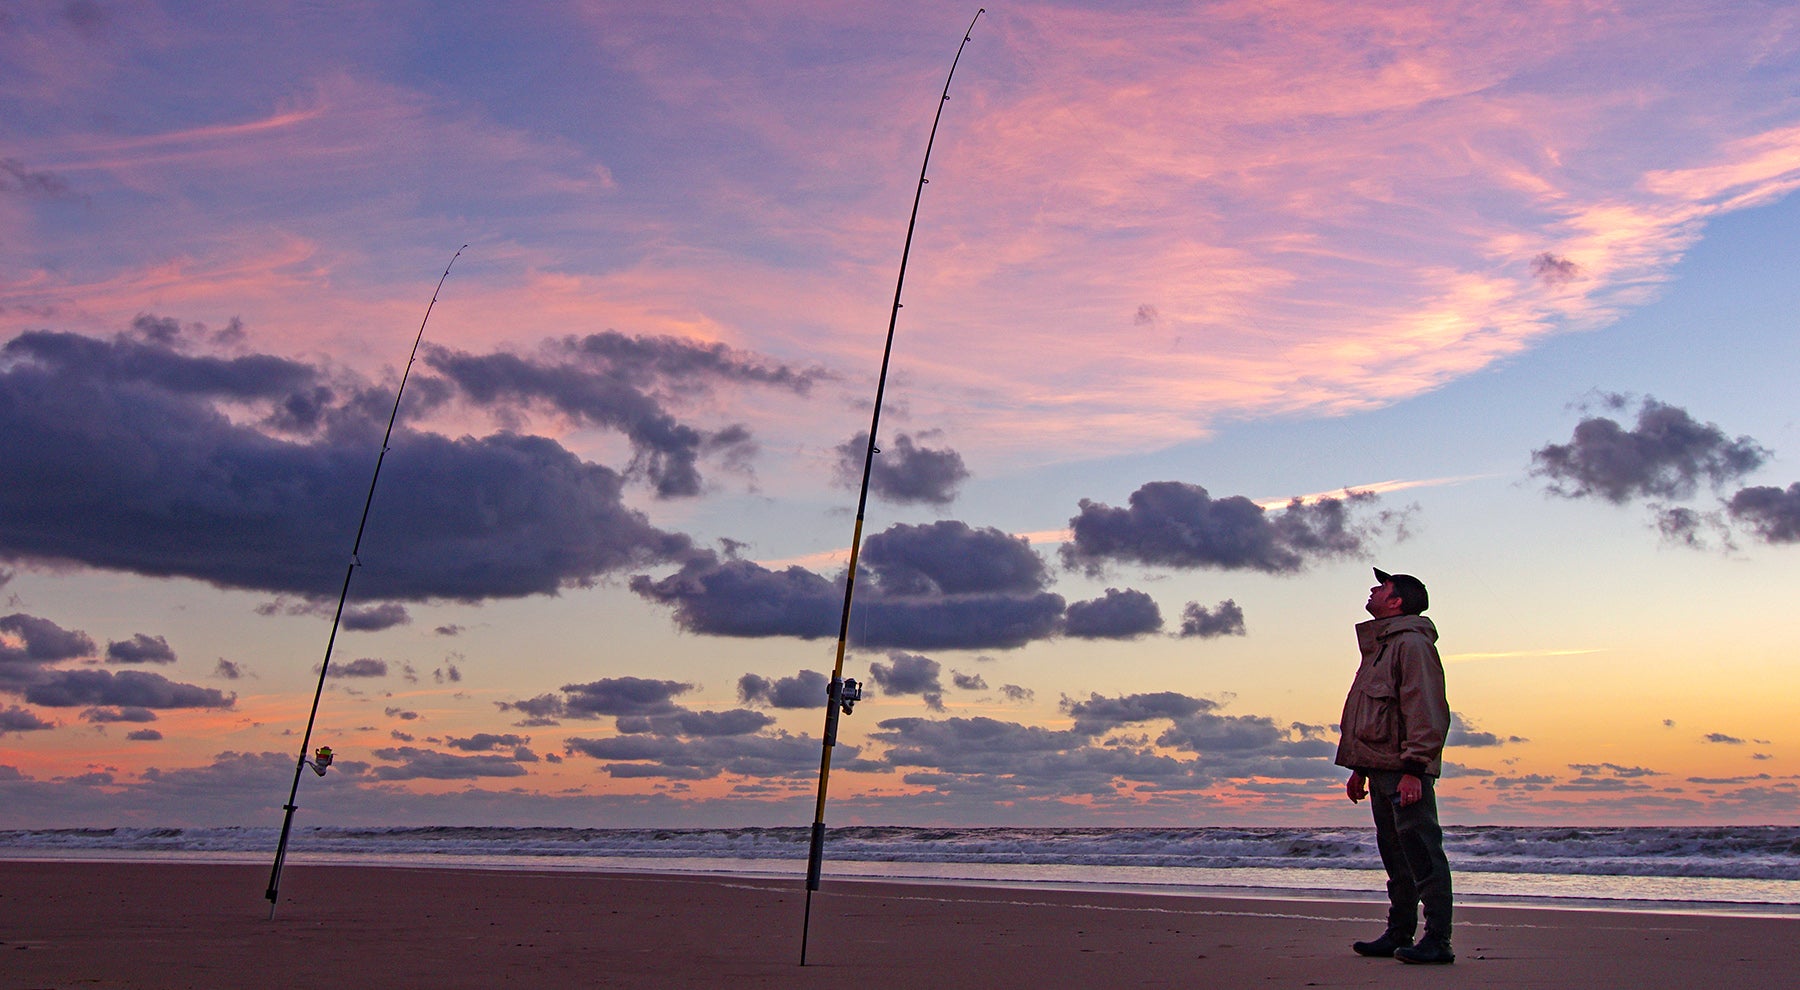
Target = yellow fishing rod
(842,694)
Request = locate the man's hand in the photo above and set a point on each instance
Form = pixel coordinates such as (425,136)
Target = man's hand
(1356,788)
(1411,789)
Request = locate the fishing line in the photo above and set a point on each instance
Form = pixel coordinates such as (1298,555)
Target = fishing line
(322,759)
(841,695)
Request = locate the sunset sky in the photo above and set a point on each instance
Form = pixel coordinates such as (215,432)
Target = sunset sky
(1502,293)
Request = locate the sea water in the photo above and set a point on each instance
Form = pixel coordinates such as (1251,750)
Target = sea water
(1736,869)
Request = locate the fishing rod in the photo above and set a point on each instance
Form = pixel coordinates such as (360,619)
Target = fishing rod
(322,759)
(842,695)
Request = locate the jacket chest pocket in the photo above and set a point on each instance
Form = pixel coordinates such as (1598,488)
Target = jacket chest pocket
(1381,710)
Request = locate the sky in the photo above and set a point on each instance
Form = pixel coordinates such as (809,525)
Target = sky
(1210,309)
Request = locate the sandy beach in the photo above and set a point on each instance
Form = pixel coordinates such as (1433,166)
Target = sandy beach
(207,926)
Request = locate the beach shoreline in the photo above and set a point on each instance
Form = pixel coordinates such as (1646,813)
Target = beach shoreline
(208,925)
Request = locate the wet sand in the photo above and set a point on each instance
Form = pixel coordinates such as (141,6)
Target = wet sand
(207,926)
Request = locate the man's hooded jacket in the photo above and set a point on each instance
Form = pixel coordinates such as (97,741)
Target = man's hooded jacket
(1396,717)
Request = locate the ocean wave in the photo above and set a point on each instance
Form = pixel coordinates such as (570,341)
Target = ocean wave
(1755,852)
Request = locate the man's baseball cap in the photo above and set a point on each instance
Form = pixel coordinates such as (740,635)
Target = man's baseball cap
(1411,589)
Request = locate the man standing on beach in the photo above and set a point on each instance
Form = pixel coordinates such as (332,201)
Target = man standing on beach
(1395,721)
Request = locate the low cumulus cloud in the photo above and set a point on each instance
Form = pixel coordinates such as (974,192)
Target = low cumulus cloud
(904,471)
(597,699)
(374,618)
(362,667)
(414,763)
(1554,270)
(21,720)
(1105,755)
(688,722)
(775,755)
(1116,614)
(128,688)
(806,689)
(1665,454)
(1177,525)
(1099,714)
(910,673)
(107,715)
(30,647)
(1772,514)
(164,451)
(944,585)
(1464,732)
(627,384)
(1223,619)
(140,648)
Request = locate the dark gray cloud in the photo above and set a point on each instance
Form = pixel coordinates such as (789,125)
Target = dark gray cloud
(486,742)
(1720,737)
(1464,732)
(622,696)
(34,644)
(121,455)
(616,696)
(903,471)
(975,758)
(144,735)
(910,673)
(1667,454)
(944,585)
(1016,693)
(140,648)
(103,715)
(735,597)
(1613,769)
(374,618)
(126,689)
(228,670)
(968,682)
(1773,514)
(626,384)
(1100,714)
(950,557)
(1223,619)
(1554,270)
(362,667)
(778,755)
(425,764)
(41,641)
(1115,615)
(1208,732)
(1174,524)
(400,713)
(686,722)
(17,178)
(803,690)
(16,719)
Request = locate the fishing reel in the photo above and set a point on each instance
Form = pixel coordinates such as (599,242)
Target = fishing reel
(849,694)
(321,760)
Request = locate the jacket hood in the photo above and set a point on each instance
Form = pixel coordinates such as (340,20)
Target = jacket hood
(1370,631)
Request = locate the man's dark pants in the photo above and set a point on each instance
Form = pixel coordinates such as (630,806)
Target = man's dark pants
(1412,849)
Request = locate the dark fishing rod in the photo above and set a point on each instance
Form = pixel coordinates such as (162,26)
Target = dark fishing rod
(322,758)
(842,695)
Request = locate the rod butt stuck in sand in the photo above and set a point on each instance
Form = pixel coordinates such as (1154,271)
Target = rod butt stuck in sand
(842,694)
(322,759)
